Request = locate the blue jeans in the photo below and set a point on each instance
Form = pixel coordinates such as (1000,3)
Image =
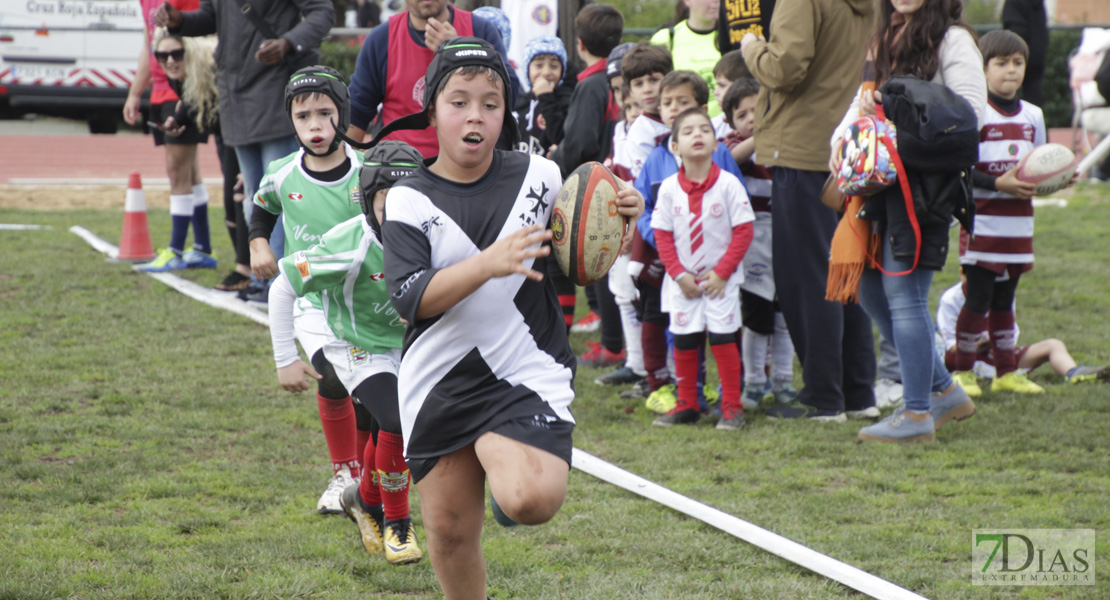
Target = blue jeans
(899,307)
(253,160)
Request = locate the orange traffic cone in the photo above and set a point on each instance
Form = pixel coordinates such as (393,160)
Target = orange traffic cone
(134,242)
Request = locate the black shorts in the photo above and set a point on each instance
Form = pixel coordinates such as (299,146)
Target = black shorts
(191,135)
(757,313)
(553,437)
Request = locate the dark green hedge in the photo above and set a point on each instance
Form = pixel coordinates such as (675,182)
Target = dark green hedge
(1057,94)
(340,55)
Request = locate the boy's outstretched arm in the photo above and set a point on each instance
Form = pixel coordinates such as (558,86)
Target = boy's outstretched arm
(291,370)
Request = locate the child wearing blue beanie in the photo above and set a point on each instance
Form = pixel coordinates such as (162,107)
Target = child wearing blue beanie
(541,112)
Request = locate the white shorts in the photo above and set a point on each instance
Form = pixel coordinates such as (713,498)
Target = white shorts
(352,364)
(717,315)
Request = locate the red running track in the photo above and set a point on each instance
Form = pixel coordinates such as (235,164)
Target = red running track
(62,157)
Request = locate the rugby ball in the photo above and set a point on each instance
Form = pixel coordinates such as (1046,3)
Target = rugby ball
(1050,166)
(586,228)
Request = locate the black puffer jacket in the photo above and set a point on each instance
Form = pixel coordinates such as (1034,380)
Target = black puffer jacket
(937,198)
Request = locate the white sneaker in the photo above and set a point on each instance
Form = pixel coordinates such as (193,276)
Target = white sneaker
(888,393)
(329,501)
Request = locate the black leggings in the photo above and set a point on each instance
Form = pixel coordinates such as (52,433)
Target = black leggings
(378,393)
(984,294)
(233,211)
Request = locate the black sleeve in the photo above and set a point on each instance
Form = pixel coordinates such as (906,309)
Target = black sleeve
(554,107)
(1015,17)
(983,181)
(262,223)
(408,260)
(1102,78)
(584,127)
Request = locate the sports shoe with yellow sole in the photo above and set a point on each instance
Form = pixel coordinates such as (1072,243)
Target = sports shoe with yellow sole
(1017,382)
(369,526)
(400,542)
(662,400)
(969,382)
(166,260)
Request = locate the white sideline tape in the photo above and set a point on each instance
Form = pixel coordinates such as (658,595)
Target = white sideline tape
(1049,202)
(22,227)
(774,543)
(782,547)
(213,298)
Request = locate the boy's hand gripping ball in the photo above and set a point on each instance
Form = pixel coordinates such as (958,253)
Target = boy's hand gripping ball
(586,227)
(1050,166)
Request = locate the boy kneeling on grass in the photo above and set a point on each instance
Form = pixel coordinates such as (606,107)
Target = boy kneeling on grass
(363,342)
(486,377)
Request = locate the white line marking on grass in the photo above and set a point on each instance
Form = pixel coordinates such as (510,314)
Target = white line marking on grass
(782,547)
(1052,202)
(211,297)
(794,552)
(22,227)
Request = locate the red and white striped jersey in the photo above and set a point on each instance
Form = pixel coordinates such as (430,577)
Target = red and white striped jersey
(702,221)
(1003,223)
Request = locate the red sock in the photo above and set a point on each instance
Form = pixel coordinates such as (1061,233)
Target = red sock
(653,336)
(363,438)
(728,368)
(393,475)
(567,302)
(686,370)
(1003,341)
(338,420)
(368,486)
(969,326)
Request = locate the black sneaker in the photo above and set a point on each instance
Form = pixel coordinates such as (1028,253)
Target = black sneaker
(256,294)
(802,411)
(689,416)
(638,391)
(621,376)
(234,282)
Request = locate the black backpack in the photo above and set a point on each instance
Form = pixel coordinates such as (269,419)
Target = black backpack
(938,131)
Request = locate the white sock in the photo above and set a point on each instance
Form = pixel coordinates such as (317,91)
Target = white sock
(782,352)
(633,332)
(200,195)
(753,347)
(181,205)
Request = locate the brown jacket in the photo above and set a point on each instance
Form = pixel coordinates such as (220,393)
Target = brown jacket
(808,71)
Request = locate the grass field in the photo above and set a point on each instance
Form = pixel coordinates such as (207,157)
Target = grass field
(146,451)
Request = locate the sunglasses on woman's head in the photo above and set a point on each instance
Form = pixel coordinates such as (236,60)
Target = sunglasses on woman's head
(176,55)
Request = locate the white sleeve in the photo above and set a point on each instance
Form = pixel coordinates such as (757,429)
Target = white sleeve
(739,203)
(961,69)
(850,116)
(282,298)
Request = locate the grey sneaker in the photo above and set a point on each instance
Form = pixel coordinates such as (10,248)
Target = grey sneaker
(899,428)
(731,420)
(803,411)
(785,394)
(752,396)
(956,404)
(638,391)
(621,376)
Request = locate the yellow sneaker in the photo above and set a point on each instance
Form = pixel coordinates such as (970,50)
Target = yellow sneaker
(369,525)
(400,542)
(662,400)
(969,382)
(1015,381)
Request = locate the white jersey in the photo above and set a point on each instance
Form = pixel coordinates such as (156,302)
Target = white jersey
(529,18)
(644,135)
(702,223)
(1003,223)
(721,128)
(499,354)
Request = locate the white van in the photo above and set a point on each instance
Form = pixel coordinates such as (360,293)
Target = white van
(72,58)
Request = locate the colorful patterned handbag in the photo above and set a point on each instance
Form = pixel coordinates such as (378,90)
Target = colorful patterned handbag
(866,166)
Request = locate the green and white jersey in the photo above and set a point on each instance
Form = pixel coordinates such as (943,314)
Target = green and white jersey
(347,270)
(311,207)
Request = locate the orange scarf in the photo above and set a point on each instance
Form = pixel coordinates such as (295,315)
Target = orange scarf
(848,253)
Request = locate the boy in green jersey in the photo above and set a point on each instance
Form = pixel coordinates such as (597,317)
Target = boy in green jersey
(345,270)
(315,189)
